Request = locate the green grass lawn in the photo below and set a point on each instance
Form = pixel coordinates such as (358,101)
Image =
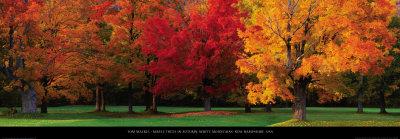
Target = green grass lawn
(117,116)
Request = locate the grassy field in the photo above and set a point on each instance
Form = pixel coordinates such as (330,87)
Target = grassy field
(117,116)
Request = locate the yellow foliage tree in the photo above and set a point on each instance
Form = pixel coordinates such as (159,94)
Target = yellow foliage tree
(293,45)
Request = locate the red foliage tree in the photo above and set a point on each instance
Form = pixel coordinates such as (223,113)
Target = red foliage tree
(197,55)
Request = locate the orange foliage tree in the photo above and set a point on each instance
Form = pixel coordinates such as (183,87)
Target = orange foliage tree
(296,45)
(18,26)
(50,58)
(54,40)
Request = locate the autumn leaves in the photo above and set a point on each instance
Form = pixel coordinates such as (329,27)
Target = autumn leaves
(207,47)
(297,43)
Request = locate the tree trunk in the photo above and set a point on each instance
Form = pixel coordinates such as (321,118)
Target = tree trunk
(28,98)
(247,107)
(103,104)
(268,107)
(148,99)
(100,103)
(98,99)
(206,97)
(207,103)
(130,97)
(360,95)
(130,108)
(130,105)
(299,105)
(154,104)
(382,102)
(360,108)
(43,107)
(11,37)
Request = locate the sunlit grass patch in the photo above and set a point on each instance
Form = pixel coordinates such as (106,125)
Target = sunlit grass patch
(357,123)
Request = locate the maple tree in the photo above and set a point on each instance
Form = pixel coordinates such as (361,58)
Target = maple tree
(387,84)
(49,59)
(18,20)
(198,54)
(258,51)
(98,67)
(56,61)
(239,93)
(125,18)
(298,44)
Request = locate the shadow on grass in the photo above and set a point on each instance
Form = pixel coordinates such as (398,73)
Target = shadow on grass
(112,114)
(318,113)
(99,115)
(130,115)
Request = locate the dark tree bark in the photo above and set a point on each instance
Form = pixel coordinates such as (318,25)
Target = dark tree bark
(360,95)
(45,81)
(299,88)
(11,37)
(204,93)
(28,98)
(148,99)
(130,98)
(299,106)
(29,95)
(130,105)
(148,95)
(43,107)
(247,106)
(268,107)
(360,107)
(289,51)
(382,102)
(154,104)
(98,99)
(207,103)
(103,103)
